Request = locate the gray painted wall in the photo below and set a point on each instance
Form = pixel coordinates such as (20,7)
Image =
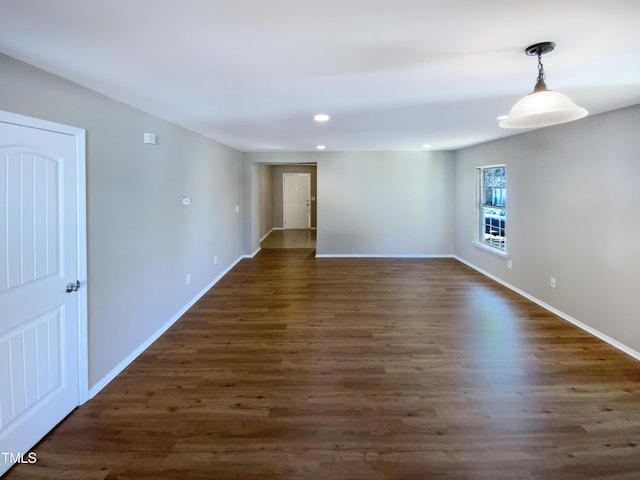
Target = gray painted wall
(251,214)
(266,199)
(573,193)
(365,199)
(141,241)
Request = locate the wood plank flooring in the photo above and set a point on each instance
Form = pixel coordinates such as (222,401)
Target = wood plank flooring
(290,239)
(293,367)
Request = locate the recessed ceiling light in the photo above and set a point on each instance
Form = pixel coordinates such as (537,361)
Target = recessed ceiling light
(321,117)
(426,145)
(321,147)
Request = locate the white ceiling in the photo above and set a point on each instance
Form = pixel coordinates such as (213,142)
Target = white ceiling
(393,74)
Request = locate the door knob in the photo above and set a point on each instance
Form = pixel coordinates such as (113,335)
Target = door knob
(73,287)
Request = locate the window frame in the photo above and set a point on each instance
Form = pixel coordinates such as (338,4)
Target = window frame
(499,247)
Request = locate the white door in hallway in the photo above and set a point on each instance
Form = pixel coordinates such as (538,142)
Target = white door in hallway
(296,199)
(41,179)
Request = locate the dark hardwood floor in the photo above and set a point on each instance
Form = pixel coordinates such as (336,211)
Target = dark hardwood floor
(293,367)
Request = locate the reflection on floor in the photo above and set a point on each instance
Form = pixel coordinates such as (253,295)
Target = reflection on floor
(290,239)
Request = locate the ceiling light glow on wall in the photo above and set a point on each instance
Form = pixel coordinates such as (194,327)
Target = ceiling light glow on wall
(321,147)
(321,117)
(542,107)
(426,145)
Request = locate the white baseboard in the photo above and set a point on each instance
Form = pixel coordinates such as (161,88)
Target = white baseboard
(93,391)
(253,254)
(378,255)
(596,333)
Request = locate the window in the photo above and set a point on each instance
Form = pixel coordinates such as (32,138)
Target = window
(492,206)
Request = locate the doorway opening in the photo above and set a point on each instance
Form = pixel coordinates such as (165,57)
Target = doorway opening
(288,211)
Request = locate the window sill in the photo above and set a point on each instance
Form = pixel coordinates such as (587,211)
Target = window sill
(490,249)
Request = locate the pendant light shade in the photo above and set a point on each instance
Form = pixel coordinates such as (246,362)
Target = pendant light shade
(542,107)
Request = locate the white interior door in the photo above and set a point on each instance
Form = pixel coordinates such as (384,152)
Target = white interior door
(40,182)
(296,199)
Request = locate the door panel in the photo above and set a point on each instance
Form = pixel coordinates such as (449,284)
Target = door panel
(34,350)
(38,256)
(30,216)
(296,200)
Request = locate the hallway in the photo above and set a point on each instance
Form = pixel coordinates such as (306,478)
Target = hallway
(290,239)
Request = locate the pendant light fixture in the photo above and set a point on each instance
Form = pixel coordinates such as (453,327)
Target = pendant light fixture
(542,107)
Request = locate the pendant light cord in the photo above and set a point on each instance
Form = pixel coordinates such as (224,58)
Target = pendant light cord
(540,85)
(541,74)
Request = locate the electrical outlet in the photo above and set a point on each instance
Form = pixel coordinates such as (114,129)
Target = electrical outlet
(552,282)
(215,260)
(389,240)
(509,264)
(188,279)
